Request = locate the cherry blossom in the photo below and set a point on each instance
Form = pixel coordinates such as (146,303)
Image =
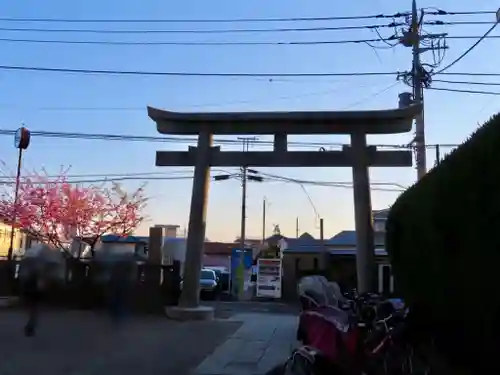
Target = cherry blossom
(55,211)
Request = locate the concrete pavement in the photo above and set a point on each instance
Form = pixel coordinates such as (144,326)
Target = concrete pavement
(263,341)
(246,339)
(87,343)
(226,309)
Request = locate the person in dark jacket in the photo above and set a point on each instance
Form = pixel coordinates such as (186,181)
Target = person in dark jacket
(32,294)
(118,290)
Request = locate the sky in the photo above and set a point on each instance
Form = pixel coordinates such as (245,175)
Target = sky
(63,102)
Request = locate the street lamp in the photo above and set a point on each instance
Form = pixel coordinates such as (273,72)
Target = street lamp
(245,176)
(22,139)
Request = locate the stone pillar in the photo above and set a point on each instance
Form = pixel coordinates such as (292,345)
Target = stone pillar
(150,297)
(155,245)
(365,248)
(190,297)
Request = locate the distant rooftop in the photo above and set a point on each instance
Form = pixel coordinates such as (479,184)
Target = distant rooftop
(381,214)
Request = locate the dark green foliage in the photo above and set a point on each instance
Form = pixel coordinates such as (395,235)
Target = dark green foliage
(443,238)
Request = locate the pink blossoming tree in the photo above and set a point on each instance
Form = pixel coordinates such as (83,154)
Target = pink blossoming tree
(54,211)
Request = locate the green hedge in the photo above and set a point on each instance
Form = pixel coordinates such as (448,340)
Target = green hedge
(443,238)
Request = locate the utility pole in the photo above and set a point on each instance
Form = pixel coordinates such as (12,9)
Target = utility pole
(438,155)
(297,227)
(418,94)
(323,247)
(243,207)
(412,39)
(264,203)
(246,174)
(244,179)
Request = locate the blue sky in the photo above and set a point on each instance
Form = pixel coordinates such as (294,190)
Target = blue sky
(27,97)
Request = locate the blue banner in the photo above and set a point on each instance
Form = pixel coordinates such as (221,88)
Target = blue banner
(240,268)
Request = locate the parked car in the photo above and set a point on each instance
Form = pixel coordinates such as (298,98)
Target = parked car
(223,276)
(209,283)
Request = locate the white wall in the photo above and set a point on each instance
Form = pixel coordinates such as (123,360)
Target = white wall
(379,225)
(169,231)
(119,247)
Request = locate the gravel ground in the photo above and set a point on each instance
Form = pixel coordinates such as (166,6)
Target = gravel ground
(84,343)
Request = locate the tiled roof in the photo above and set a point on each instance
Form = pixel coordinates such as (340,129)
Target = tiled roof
(344,238)
(307,236)
(348,238)
(124,239)
(275,238)
(219,248)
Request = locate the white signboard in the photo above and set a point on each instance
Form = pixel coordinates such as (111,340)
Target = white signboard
(269,274)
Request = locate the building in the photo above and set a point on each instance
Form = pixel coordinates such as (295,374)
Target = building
(170,230)
(305,255)
(216,254)
(19,243)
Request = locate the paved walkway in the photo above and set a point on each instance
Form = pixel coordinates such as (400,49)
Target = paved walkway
(86,343)
(263,341)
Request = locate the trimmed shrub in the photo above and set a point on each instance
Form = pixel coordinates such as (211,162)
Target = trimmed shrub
(443,239)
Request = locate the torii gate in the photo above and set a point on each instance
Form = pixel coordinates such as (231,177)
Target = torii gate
(358,156)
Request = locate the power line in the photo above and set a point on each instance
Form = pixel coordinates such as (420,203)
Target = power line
(209,31)
(190,74)
(231,20)
(15,107)
(268,178)
(468,50)
(201,105)
(163,175)
(371,96)
(108,175)
(458,37)
(470,74)
(234,75)
(440,12)
(194,43)
(188,140)
(227,43)
(468,82)
(299,181)
(133,138)
(456,23)
(435,11)
(464,91)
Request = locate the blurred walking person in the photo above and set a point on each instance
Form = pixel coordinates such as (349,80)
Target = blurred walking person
(41,266)
(119,290)
(31,290)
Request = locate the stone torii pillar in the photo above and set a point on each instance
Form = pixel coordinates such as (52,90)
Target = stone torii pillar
(365,246)
(190,297)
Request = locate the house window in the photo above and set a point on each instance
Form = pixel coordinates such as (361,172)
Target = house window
(315,264)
